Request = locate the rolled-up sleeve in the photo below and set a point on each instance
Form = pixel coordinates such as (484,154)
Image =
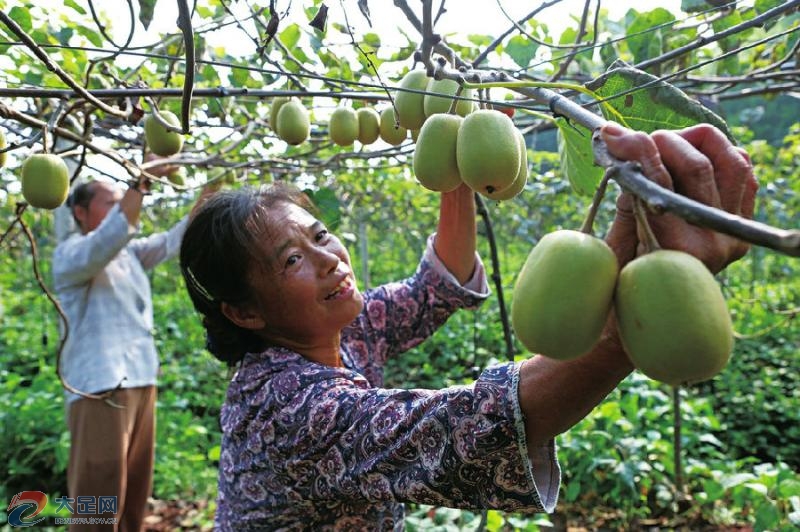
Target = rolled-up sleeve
(400,315)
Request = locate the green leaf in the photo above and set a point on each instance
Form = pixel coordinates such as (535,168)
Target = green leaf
(92,36)
(290,36)
(214,453)
(146,8)
(647,104)
(790,488)
(479,40)
(736,479)
(577,158)
(74,5)
(329,206)
(239,76)
(722,24)
(521,50)
(22,17)
(573,491)
(209,74)
(644,41)
(33,78)
(372,39)
(63,35)
(765,5)
(767,517)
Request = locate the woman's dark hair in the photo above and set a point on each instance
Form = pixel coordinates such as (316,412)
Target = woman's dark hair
(221,243)
(82,195)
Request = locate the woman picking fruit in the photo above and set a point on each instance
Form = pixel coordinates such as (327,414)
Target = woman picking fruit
(312,439)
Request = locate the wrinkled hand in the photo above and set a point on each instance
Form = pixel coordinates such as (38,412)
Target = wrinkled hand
(698,162)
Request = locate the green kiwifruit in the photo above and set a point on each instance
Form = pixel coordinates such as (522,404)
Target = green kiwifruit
(45,180)
(434,162)
(433,103)
(369,125)
(672,317)
(563,294)
(410,105)
(343,126)
(522,175)
(160,140)
(389,133)
(274,107)
(293,123)
(488,151)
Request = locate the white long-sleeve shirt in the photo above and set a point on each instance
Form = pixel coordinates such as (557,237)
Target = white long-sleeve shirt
(101,283)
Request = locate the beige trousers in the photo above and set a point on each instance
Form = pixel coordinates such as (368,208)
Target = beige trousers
(111,455)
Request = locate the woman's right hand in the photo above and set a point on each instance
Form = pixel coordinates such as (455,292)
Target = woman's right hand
(698,162)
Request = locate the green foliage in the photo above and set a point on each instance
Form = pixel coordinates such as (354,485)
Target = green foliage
(645,103)
(740,435)
(577,160)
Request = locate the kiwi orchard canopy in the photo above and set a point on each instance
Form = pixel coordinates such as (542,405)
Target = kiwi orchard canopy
(231,74)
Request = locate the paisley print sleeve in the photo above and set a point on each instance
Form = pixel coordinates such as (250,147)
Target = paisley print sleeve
(398,316)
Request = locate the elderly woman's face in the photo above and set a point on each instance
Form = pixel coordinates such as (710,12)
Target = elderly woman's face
(306,288)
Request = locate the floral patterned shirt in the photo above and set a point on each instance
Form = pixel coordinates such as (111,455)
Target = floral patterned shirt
(312,447)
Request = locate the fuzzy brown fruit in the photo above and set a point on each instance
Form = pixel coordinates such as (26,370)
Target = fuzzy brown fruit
(563,294)
(160,140)
(45,180)
(672,317)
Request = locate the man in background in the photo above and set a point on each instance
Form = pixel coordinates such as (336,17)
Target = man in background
(110,358)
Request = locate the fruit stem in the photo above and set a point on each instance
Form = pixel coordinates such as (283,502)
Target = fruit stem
(588,223)
(44,139)
(454,103)
(646,235)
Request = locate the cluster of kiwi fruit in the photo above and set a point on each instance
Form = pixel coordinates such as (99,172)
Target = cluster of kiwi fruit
(459,142)
(671,315)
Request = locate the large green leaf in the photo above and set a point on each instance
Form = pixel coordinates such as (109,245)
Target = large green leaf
(646,103)
(577,158)
(521,50)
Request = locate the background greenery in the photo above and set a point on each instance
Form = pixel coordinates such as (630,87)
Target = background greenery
(741,430)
